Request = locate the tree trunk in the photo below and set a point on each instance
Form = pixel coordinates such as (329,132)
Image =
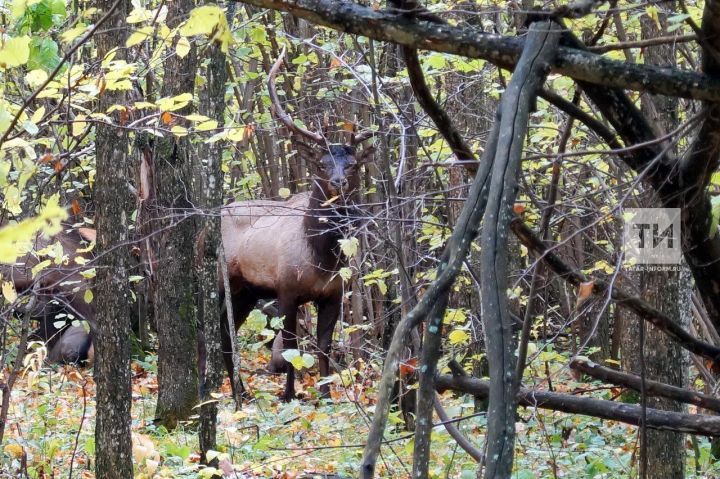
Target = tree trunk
(209,182)
(175,287)
(114,206)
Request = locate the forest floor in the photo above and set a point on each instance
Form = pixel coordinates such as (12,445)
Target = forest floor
(50,433)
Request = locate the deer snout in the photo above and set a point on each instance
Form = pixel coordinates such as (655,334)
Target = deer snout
(339,183)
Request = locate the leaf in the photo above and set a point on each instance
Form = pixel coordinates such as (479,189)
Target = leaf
(167,118)
(8,291)
(207,125)
(43,54)
(15,52)
(88,296)
(35,78)
(284,192)
(256,321)
(139,36)
(208,20)
(78,125)
(178,130)
(345,273)
(349,246)
(71,34)
(458,336)
(183,47)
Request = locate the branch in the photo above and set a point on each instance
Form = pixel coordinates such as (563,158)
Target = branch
(452,259)
(57,69)
(540,48)
(614,411)
(457,144)
(395,27)
(651,388)
(623,299)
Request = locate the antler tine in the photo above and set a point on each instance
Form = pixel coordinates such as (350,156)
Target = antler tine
(362,136)
(280,113)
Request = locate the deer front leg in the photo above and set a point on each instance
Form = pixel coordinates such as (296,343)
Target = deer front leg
(328,314)
(288,308)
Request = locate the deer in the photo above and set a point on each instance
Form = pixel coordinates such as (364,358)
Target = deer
(58,296)
(289,250)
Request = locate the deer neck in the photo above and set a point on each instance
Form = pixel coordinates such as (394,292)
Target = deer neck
(325,223)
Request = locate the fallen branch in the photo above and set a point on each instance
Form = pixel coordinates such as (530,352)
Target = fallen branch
(651,388)
(627,413)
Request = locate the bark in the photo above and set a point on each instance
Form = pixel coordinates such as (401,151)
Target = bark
(665,290)
(208,192)
(112,292)
(434,35)
(615,411)
(652,388)
(175,288)
(529,74)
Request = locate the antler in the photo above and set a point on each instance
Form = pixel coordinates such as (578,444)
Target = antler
(362,136)
(280,113)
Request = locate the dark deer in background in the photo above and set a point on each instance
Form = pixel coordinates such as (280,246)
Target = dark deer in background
(289,250)
(57,296)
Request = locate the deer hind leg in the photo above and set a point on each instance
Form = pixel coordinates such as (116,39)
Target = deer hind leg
(288,308)
(328,314)
(242,305)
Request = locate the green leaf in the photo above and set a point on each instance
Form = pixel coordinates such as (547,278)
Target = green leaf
(43,54)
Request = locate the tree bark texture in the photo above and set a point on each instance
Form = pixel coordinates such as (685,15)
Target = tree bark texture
(502,51)
(664,289)
(112,293)
(208,187)
(175,285)
(518,98)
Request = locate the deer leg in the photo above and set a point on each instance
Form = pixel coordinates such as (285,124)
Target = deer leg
(242,305)
(288,308)
(328,314)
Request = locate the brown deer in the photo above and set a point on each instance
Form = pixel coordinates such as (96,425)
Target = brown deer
(58,296)
(289,250)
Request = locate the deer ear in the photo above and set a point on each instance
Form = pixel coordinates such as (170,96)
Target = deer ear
(366,155)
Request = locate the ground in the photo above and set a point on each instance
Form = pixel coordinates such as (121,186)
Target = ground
(51,420)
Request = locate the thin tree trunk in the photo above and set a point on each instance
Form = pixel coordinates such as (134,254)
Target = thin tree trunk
(175,288)
(209,178)
(114,206)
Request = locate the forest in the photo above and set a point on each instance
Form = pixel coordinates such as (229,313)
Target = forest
(324,239)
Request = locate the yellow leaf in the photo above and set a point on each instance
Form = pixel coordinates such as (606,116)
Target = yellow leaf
(183,47)
(138,36)
(38,115)
(78,125)
(35,78)
(8,291)
(345,273)
(19,6)
(458,336)
(73,33)
(284,192)
(174,102)
(349,246)
(15,52)
(208,20)
(88,296)
(178,130)
(14,450)
(207,125)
